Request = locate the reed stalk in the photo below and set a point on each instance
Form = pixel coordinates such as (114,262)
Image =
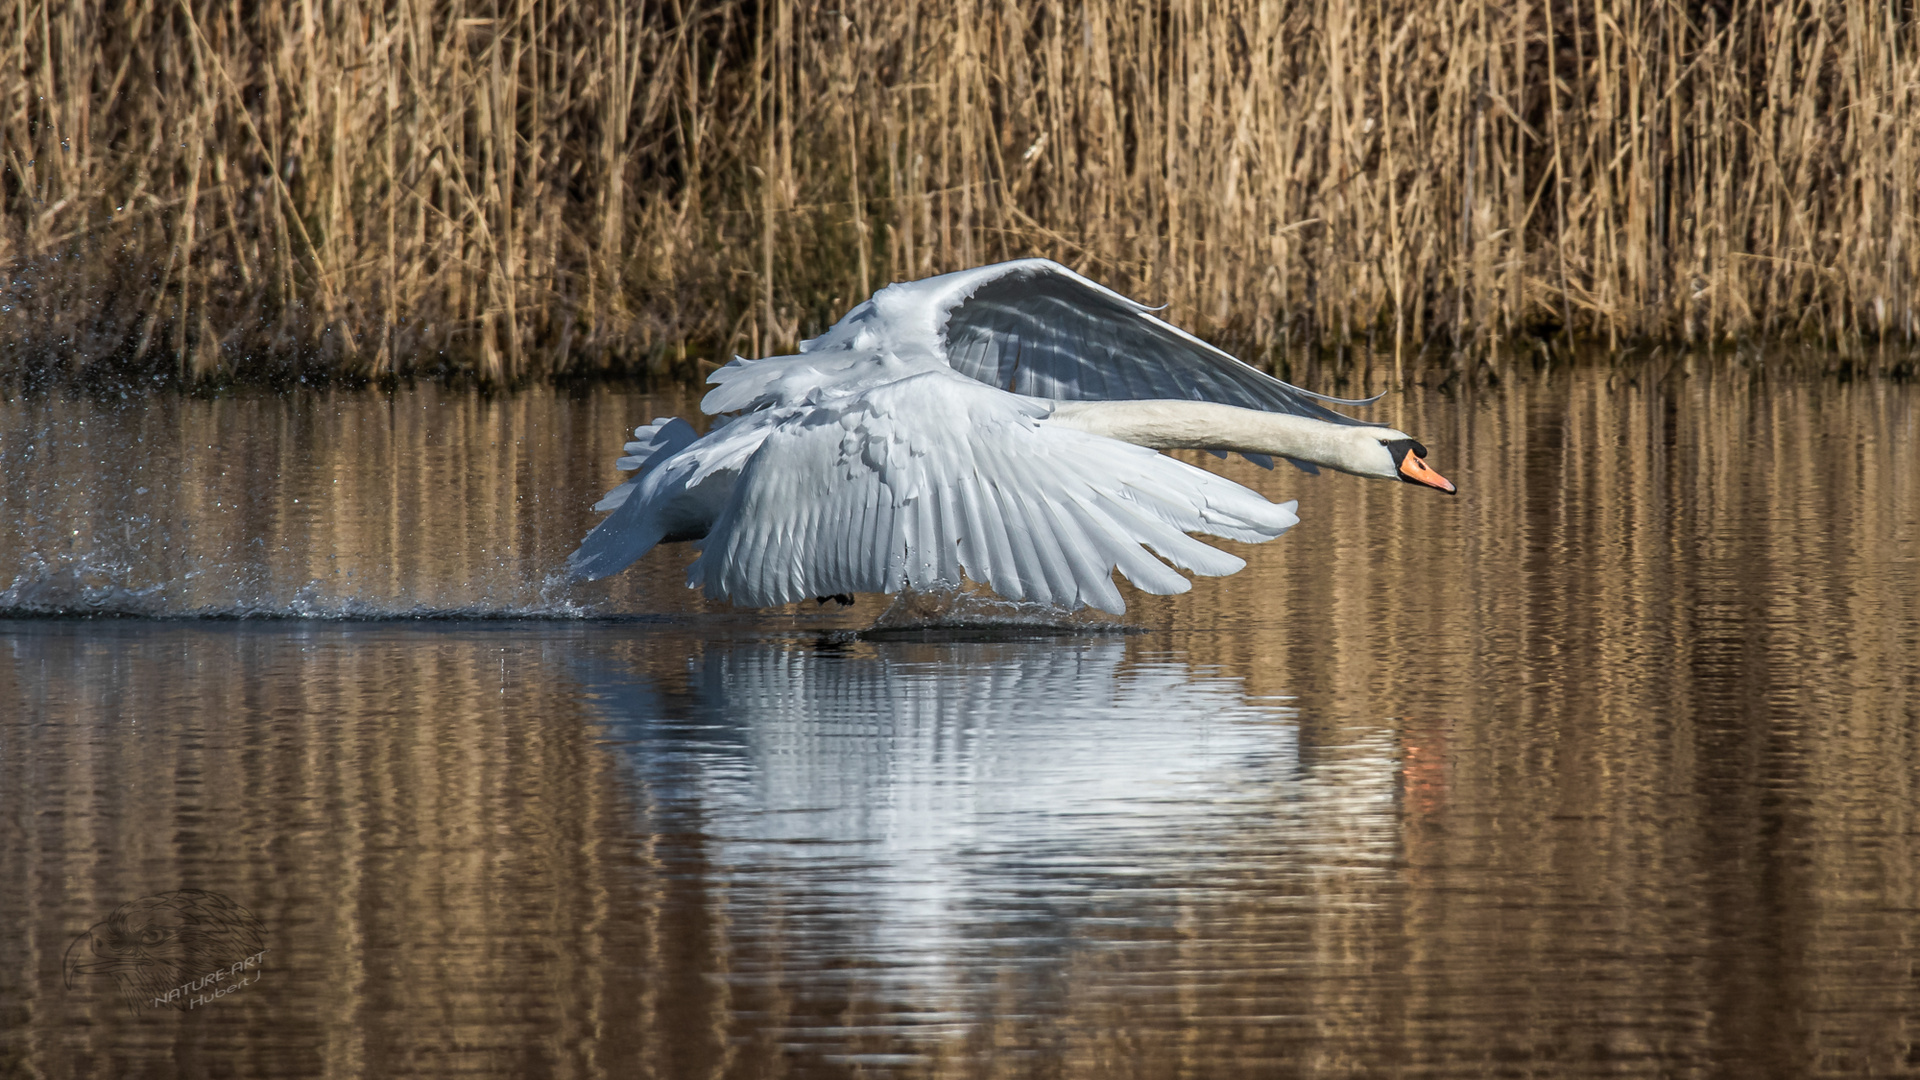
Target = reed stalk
(526,188)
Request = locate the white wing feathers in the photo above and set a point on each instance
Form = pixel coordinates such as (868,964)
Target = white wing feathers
(665,437)
(912,482)
(789,380)
(676,496)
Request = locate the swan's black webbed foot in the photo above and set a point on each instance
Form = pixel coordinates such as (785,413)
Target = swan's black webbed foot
(843,599)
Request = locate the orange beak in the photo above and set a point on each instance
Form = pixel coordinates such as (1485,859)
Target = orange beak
(1416,471)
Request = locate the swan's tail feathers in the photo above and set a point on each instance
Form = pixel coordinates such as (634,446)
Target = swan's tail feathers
(658,441)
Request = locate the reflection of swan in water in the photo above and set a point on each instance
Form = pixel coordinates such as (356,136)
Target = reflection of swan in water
(998,425)
(917,791)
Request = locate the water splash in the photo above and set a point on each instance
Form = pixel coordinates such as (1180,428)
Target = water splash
(427,505)
(78,589)
(89,588)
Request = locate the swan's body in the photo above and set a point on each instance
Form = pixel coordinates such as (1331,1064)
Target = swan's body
(1000,422)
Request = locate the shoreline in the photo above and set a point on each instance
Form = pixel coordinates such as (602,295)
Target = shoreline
(1352,370)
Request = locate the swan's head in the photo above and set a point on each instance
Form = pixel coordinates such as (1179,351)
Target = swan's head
(1409,464)
(1383,453)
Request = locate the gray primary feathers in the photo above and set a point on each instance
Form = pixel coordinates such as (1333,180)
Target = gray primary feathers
(1034,327)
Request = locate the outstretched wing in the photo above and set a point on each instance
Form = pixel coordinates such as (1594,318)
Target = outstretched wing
(1035,327)
(910,484)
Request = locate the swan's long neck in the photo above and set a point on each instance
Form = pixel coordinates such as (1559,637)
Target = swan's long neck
(1203,425)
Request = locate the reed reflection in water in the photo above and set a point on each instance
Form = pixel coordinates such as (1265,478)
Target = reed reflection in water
(1606,767)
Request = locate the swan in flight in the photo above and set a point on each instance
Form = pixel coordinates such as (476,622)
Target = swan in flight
(1001,423)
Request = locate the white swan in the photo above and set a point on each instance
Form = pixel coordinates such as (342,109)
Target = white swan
(1000,423)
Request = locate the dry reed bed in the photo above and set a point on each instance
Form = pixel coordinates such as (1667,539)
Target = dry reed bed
(526,187)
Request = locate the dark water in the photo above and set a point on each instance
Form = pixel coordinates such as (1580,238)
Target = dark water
(1610,766)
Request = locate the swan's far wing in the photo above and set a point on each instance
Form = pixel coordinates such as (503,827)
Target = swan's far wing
(1039,329)
(682,483)
(913,484)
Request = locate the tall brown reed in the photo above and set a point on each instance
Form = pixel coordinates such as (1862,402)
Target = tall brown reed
(520,187)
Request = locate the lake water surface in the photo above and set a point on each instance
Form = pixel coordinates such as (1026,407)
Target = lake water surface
(1608,767)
